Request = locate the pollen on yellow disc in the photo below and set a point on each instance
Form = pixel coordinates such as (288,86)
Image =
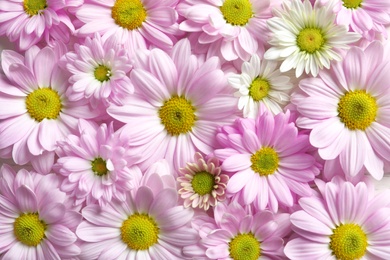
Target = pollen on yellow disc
(244,247)
(357,109)
(34,7)
(139,231)
(237,12)
(310,40)
(129,14)
(43,103)
(352,4)
(265,161)
(29,229)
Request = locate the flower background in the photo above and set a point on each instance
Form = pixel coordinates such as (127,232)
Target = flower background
(215,235)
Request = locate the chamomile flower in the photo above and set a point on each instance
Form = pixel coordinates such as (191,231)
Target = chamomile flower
(202,183)
(260,82)
(306,38)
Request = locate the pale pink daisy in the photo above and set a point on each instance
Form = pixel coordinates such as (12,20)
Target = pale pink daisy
(177,105)
(36,220)
(306,38)
(348,111)
(96,165)
(202,183)
(238,233)
(366,17)
(135,23)
(268,160)
(260,82)
(30,21)
(345,222)
(99,71)
(147,225)
(34,111)
(231,29)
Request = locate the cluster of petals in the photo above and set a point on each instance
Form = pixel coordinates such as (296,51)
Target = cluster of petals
(99,144)
(29,193)
(294,170)
(37,78)
(339,204)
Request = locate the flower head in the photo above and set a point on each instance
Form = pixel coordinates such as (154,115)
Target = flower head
(177,105)
(231,29)
(96,165)
(99,71)
(260,82)
(36,220)
(346,222)
(148,224)
(347,111)
(30,21)
(34,109)
(202,183)
(306,37)
(268,160)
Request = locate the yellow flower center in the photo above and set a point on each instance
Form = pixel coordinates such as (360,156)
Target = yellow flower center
(353,4)
(310,40)
(139,231)
(29,229)
(265,161)
(357,109)
(177,115)
(43,103)
(237,12)
(203,182)
(102,73)
(99,166)
(34,7)
(244,247)
(348,242)
(129,14)
(259,89)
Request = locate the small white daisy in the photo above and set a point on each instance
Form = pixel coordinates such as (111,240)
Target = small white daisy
(306,37)
(260,82)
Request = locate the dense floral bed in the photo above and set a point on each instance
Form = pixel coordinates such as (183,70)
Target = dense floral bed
(194,129)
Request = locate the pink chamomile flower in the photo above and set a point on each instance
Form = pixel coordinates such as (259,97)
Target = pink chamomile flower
(147,225)
(99,71)
(30,21)
(36,220)
(236,232)
(347,109)
(177,105)
(232,29)
(96,165)
(137,24)
(202,183)
(345,221)
(268,161)
(366,17)
(34,110)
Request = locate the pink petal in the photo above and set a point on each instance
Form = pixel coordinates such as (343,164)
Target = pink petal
(52,212)
(26,199)
(237,162)
(238,181)
(163,68)
(61,235)
(91,233)
(23,77)
(299,248)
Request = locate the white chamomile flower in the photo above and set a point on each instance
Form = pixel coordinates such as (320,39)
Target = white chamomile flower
(306,37)
(260,82)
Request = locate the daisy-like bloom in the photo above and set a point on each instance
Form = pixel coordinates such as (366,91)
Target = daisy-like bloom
(348,111)
(135,23)
(306,38)
(268,160)
(34,111)
(36,220)
(177,106)
(147,225)
(30,21)
(345,222)
(233,29)
(260,82)
(96,165)
(99,71)
(202,183)
(366,17)
(237,233)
